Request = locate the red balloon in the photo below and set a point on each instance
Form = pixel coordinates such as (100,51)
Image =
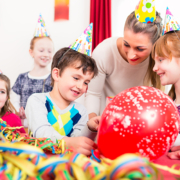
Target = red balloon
(140,119)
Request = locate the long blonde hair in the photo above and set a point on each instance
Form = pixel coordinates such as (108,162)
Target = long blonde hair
(154,31)
(8,107)
(168,46)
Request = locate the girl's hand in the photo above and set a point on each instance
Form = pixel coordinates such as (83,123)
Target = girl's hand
(175,153)
(22,114)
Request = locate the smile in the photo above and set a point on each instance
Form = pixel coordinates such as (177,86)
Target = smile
(75,92)
(134,59)
(161,75)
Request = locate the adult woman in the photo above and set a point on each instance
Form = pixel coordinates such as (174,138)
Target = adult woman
(124,62)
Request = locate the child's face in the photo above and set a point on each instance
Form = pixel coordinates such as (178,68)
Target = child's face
(3,94)
(73,83)
(42,52)
(168,70)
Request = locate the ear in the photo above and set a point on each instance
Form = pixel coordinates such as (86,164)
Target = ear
(31,52)
(55,74)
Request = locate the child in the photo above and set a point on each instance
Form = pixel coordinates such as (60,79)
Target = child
(166,52)
(6,108)
(56,115)
(37,80)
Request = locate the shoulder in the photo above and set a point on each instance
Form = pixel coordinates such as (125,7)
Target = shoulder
(22,75)
(105,52)
(10,115)
(37,98)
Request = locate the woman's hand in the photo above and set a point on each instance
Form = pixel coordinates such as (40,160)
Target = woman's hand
(22,114)
(93,123)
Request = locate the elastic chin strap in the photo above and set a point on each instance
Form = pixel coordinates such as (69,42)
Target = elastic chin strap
(62,57)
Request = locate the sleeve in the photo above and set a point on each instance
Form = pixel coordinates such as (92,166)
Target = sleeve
(95,88)
(15,100)
(81,128)
(38,124)
(17,86)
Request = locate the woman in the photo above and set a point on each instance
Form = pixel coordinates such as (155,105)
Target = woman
(124,62)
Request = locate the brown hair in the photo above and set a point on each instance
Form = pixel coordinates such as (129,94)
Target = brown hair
(34,39)
(154,31)
(66,57)
(8,107)
(168,46)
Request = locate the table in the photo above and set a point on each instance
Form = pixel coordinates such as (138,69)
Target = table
(164,160)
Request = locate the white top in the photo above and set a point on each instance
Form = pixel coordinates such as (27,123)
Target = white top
(115,75)
(39,124)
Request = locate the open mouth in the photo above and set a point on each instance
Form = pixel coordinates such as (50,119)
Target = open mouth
(161,75)
(75,92)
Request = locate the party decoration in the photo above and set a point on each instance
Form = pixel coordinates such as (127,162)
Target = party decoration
(84,43)
(140,119)
(0,72)
(170,24)
(109,99)
(41,30)
(61,10)
(145,11)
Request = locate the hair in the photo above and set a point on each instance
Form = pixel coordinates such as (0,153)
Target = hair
(67,57)
(168,46)
(8,107)
(154,30)
(34,39)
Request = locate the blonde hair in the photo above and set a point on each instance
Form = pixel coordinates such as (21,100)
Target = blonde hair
(168,46)
(34,39)
(8,107)
(154,31)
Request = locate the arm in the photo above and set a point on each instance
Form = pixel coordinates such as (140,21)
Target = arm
(95,88)
(36,114)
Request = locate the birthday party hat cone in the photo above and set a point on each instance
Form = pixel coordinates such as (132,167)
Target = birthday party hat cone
(170,24)
(83,43)
(145,11)
(41,30)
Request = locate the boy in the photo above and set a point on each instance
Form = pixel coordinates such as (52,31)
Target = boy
(55,115)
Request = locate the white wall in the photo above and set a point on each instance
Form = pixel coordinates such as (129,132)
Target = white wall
(18,19)
(122,8)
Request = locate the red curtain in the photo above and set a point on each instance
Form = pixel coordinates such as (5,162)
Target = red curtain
(100,16)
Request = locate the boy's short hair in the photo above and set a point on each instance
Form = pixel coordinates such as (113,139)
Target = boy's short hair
(67,57)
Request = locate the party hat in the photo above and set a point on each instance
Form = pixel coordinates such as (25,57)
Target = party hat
(145,11)
(41,30)
(170,24)
(83,43)
(0,72)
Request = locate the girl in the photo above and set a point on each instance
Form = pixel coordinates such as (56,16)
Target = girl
(37,80)
(6,108)
(124,62)
(166,53)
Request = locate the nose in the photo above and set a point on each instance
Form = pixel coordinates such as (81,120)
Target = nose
(46,53)
(131,54)
(155,68)
(79,85)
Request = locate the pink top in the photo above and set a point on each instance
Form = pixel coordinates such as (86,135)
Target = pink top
(13,120)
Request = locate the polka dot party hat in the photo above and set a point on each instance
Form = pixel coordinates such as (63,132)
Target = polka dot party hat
(41,30)
(170,24)
(145,11)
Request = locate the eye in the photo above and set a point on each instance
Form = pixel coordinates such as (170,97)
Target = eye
(2,92)
(85,83)
(127,45)
(75,78)
(41,50)
(139,49)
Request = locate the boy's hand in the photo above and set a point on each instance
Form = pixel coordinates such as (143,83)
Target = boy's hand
(22,114)
(175,153)
(82,145)
(93,123)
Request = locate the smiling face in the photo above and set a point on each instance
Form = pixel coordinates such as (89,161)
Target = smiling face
(3,94)
(72,83)
(42,51)
(167,69)
(137,46)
